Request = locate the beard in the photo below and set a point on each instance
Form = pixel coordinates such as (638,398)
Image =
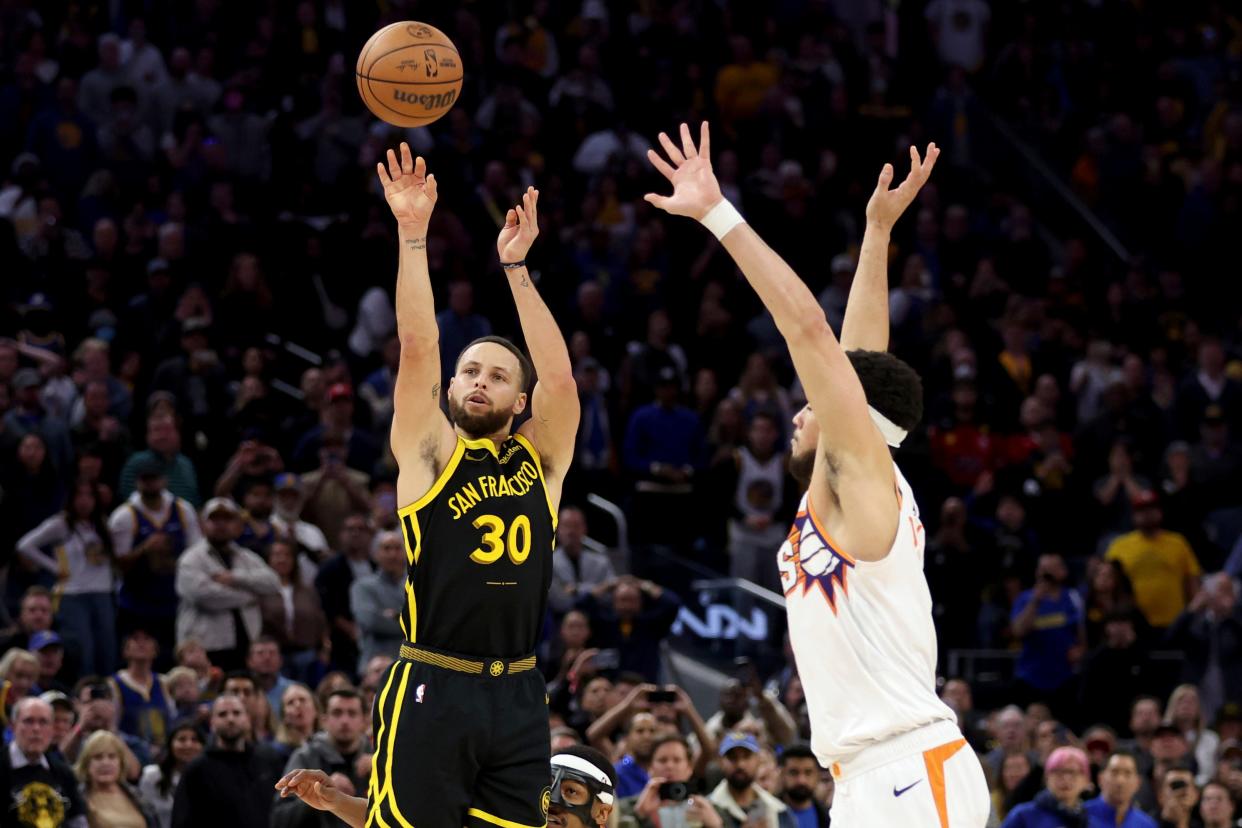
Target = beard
(802,466)
(740,780)
(477,426)
(799,793)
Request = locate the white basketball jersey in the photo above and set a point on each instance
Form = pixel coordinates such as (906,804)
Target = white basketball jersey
(862,634)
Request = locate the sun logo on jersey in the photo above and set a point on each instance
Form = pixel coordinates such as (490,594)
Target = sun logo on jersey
(808,561)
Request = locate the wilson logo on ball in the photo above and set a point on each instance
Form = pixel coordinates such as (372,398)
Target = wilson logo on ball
(440,101)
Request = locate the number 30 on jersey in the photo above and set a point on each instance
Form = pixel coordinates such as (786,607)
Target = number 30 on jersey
(496,541)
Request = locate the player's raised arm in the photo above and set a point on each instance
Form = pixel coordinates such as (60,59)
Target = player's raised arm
(866,313)
(826,374)
(421,438)
(553,425)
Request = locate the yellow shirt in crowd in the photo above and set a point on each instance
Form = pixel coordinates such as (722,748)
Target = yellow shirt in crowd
(1158,567)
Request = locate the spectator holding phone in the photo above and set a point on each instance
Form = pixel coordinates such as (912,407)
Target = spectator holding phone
(669,799)
(1178,797)
(746,706)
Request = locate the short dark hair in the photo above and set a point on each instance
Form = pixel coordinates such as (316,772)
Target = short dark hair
(528,370)
(671,737)
(596,758)
(892,387)
(798,750)
(1124,754)
(346,693)
(244,675)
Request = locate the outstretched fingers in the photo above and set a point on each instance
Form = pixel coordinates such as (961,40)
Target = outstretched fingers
(886,177)
(687,143)
(705,142)
(394,167)
(407,160)
(664,168)
(674,154)
(429,188)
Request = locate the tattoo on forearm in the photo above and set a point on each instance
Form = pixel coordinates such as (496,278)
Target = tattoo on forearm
(435,390)
(417,244)
(525,280)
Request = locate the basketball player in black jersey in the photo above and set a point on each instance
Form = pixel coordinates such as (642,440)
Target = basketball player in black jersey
(461,720)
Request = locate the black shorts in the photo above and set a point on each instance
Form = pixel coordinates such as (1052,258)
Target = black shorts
(455,748)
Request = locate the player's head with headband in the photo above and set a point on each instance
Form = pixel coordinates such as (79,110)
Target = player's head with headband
(582,793)
(894,399)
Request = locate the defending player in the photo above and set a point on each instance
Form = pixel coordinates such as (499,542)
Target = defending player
(852,566)
(461,719)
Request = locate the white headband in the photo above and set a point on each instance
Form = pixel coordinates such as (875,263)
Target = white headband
(582,766)
(893,433)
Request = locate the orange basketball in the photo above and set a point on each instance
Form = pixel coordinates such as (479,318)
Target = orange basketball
(409,74)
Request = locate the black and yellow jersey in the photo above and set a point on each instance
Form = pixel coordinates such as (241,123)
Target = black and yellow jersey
(479,552)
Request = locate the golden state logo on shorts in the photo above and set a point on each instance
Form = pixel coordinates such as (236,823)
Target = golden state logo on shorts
(496,669)
(545,800)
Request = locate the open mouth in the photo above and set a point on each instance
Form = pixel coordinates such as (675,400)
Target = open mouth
(477,399)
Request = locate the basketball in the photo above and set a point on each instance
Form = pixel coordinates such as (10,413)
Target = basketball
(409,74)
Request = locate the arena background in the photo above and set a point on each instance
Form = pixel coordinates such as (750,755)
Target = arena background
(196,274)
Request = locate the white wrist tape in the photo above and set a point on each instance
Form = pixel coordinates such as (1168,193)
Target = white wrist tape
(893,433)
(722,218)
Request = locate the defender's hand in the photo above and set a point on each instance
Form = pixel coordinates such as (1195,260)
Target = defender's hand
(521,228)
(885,205)
(410,191)
(695,188)
(312,787)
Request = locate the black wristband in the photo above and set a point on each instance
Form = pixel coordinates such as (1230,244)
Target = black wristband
(513,265)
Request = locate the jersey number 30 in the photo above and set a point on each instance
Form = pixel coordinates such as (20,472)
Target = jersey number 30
(496,540)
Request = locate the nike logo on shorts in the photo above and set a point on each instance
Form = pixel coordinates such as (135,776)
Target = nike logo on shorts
(897,792)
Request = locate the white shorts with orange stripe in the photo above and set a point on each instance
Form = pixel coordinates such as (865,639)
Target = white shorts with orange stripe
(941,787)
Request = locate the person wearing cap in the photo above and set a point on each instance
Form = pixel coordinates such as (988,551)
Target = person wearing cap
(337,418)
(580,793)
(1067,776)
(287,518)
(50,649)
(196,377)
(28,414)
(1115,807)
(219,584)
(64,717)
(1161,565)
(738,798)
(75,547)
(150,531)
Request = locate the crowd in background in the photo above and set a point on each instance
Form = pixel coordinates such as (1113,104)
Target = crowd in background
(197,500)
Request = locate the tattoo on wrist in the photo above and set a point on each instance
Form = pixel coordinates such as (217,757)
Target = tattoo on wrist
(435,390)
(417,244)
(525,280)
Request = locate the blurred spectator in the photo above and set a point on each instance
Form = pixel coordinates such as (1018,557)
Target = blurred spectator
(1048,620)
(576,570)
(35,616)
(159,781)
(1178,797)
(738,799)
(19,672)
(162,457)
(287,518)
(1114,807)
(1209,631)
(1068,776)
(1217,807)
(28,415)
(333,490)
(232,782)
(799,778)
(109,798)
(293,616)
(671,766)
(751,709)
(263,662)
(634,622)
(150,532)
(299,718)
(1161,565)
(1185,713)
(75,547)
(97,711)
(1120,654)
(144,702)
(336,752)
(34,783)
(376,600)
(334,582)
(1011,737)
(219,584)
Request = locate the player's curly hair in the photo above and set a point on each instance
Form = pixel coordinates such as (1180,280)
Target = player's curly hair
(892,387)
